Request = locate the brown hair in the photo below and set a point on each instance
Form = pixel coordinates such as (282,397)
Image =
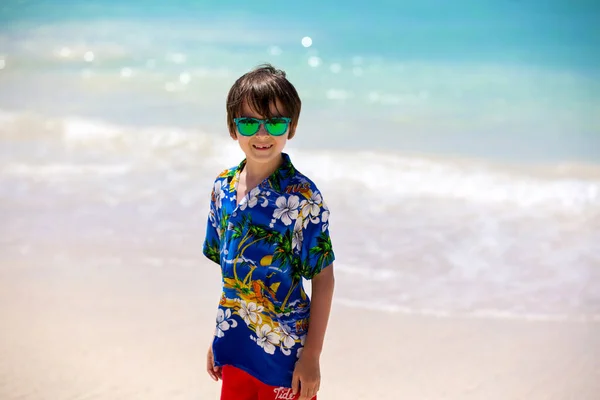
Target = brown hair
(260,88)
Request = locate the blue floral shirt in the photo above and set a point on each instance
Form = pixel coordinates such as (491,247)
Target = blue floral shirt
(265,245)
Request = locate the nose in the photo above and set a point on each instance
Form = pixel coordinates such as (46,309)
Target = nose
(262,131)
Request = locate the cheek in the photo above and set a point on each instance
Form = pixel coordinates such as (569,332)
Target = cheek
(243,140)
(280,142)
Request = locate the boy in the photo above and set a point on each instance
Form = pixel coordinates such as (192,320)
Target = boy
(267,229)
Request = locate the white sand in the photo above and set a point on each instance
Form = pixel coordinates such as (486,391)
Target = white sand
(139,329)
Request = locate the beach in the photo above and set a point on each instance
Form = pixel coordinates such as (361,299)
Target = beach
(443,290)
(105,293)
(102,332)
(110,305)
(456,146)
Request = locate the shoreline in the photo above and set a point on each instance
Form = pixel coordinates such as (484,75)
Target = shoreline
(551,168)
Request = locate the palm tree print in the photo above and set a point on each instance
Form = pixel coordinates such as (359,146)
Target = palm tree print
(250,234)
(284,254)
(296,278)
(212,250)
(267,236)
(265,252)
(281,175)
(323,251)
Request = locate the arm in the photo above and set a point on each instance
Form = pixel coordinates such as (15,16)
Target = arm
(215,372)
(322,295)
(307,374)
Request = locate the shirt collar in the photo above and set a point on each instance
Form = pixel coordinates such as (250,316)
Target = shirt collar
(275,180)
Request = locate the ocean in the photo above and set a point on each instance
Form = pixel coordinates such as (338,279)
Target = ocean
(457,145)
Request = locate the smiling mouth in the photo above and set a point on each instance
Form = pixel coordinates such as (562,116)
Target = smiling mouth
(262,147)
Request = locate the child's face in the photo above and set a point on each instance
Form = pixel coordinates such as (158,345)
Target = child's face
(262,147)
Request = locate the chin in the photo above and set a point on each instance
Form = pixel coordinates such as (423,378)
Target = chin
(264,154)
(266,157)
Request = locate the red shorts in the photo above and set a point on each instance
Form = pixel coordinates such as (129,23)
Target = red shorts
(240,385)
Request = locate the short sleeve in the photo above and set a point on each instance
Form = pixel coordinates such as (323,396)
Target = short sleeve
(317,250)
(212,241)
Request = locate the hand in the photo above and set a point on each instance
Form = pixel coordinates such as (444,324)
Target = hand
(213,371)
(307,377)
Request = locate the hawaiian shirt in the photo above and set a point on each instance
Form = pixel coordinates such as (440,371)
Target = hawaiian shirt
(265,245)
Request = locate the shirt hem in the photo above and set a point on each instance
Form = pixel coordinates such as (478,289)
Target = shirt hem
(211,259)
(255,375)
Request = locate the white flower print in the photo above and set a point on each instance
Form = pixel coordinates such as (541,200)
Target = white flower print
(298,236)
(288,339)
(325,218)
(287,209)
(311,209)
(311,206)
(219,193)
(252,199)
(224,322)
(250,312)
(213,219)
(267,339)
(215,224)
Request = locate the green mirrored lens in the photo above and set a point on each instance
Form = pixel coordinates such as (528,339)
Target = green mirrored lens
(248,127)
(276,127)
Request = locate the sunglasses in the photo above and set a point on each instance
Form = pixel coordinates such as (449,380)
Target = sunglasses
(277,126)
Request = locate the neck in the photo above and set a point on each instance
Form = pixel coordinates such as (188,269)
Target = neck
(254,173)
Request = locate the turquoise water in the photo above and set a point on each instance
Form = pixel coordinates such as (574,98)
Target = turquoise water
(467,136)
(544,33)
(509,80)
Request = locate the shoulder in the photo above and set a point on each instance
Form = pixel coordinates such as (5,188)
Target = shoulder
(224,177)
(301,185)
(226,173)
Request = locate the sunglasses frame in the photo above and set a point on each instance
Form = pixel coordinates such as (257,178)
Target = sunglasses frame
(262,122)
